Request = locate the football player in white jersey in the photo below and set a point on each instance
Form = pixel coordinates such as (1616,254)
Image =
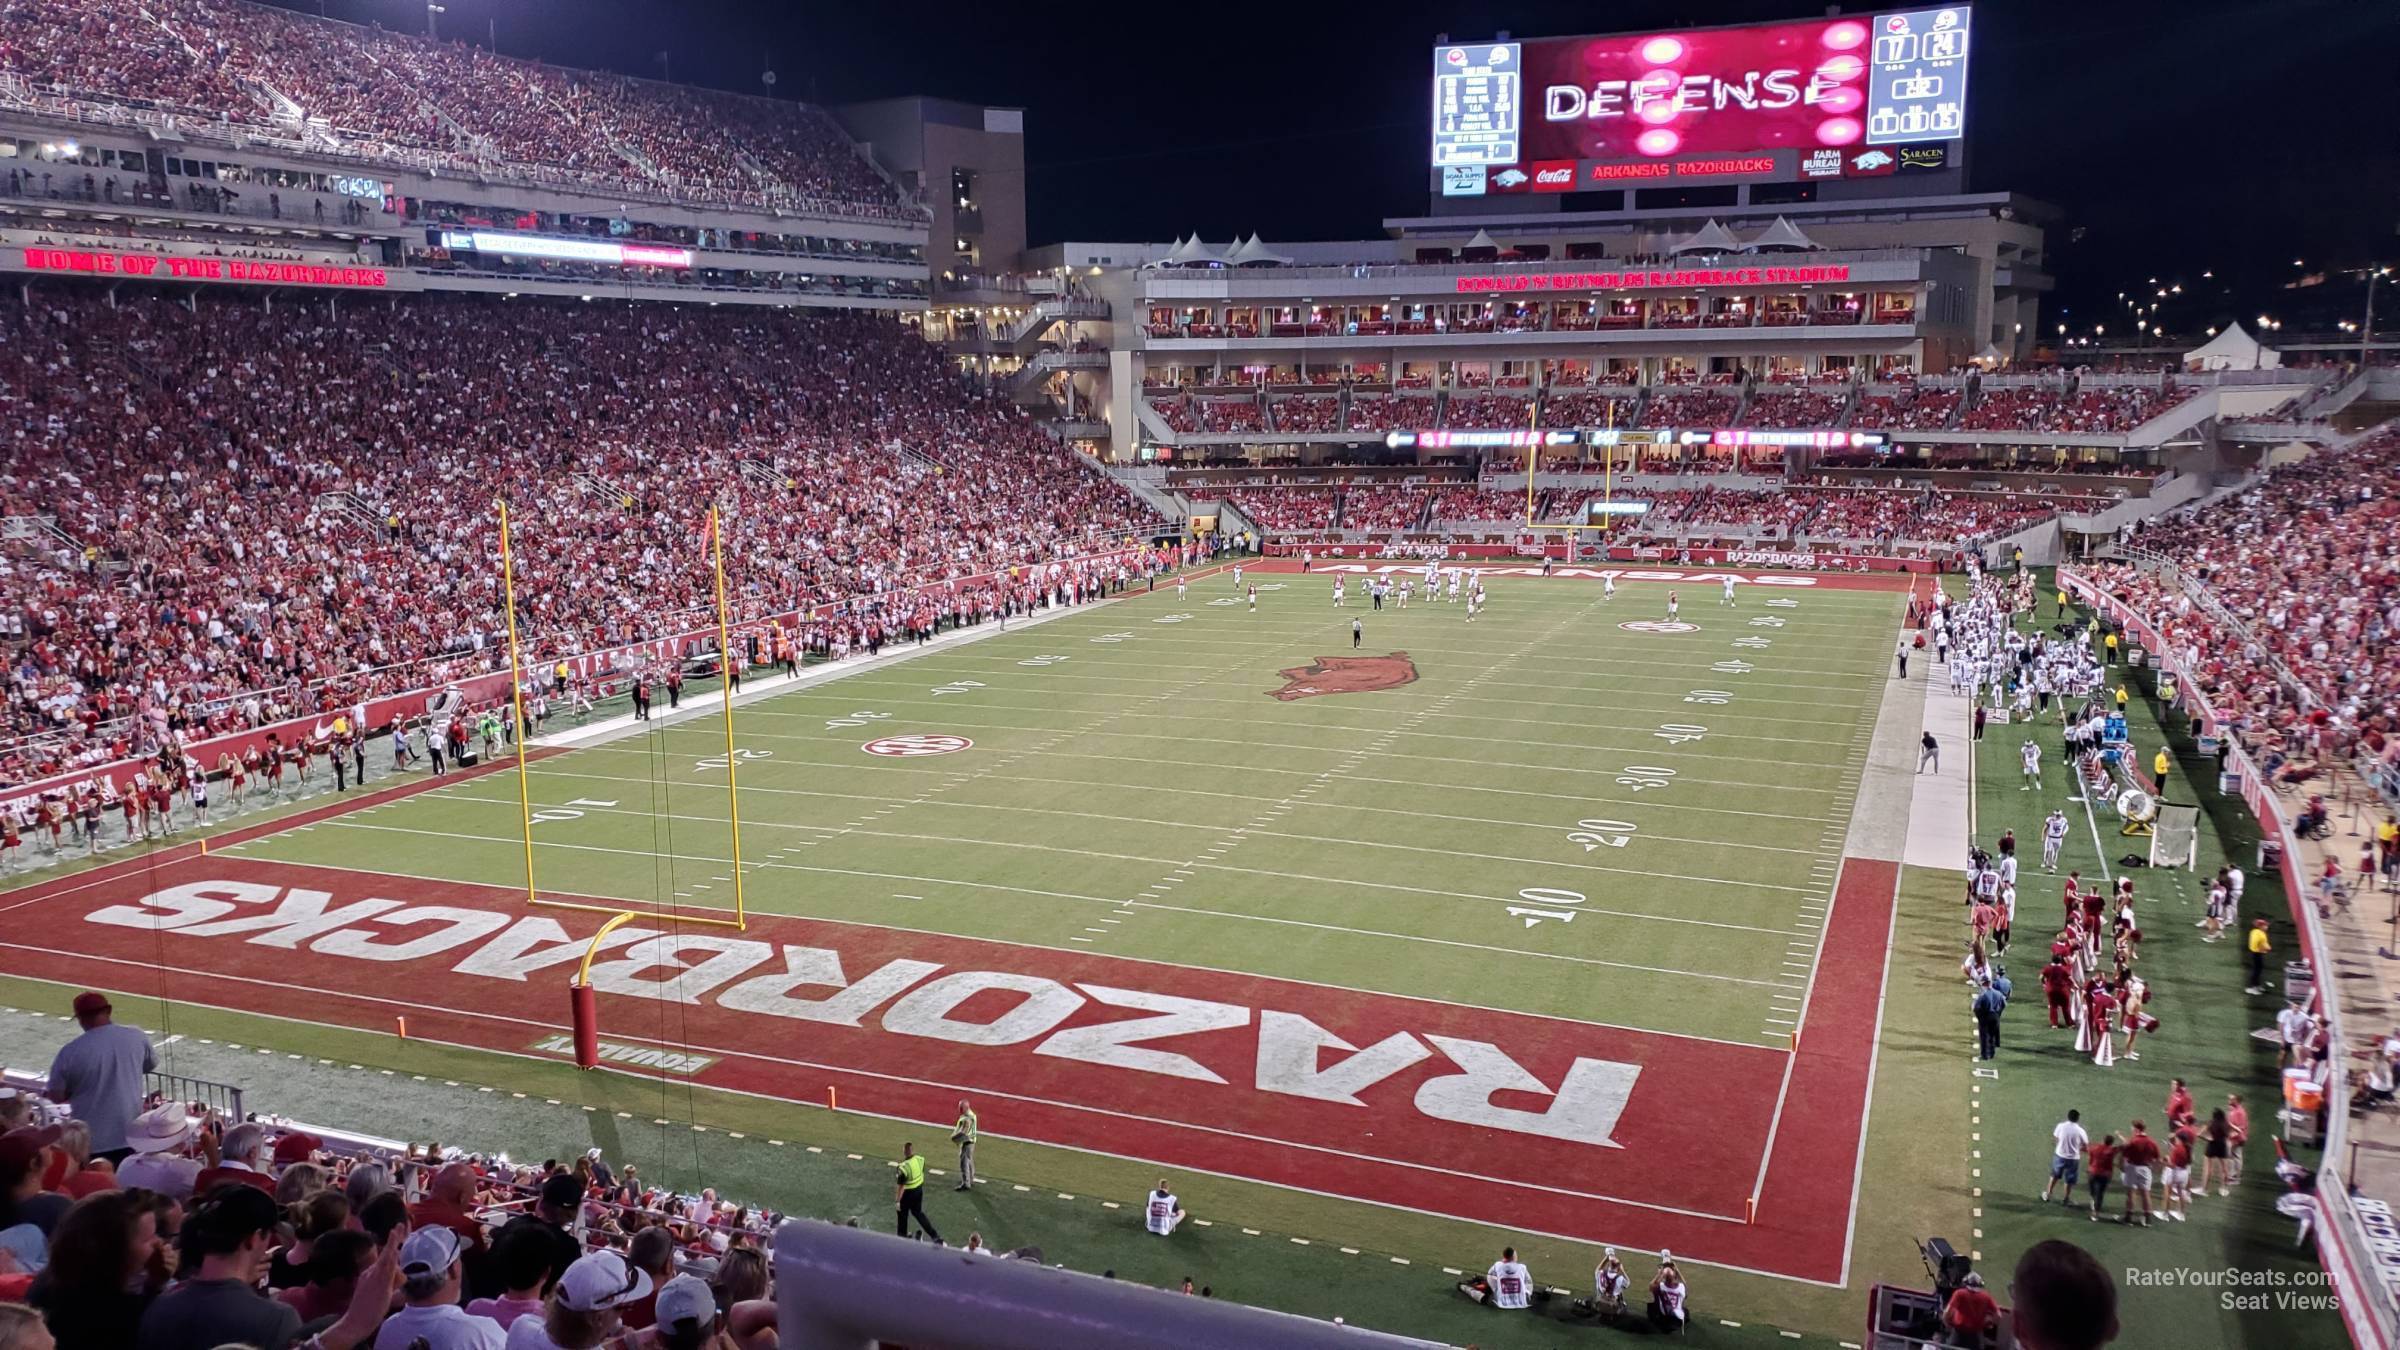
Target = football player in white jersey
(1728,602)
(2054,836)
(2030,755)
(1509,1282)
(1608,587)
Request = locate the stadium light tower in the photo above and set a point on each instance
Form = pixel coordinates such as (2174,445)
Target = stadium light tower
(2366,329)
(433,13)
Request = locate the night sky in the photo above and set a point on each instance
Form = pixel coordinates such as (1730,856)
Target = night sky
(2176,137)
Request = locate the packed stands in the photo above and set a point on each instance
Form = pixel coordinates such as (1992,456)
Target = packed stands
(1794,409)
(1381,507)
(1306,413)
(1224,416)
(261,512)
(1579,408)
(1386,412)
(2078,408)
(1489,411)
(385,95)
(2308,563)
(1473,503)
(1283,509)
(1689,407)
(1909,408)
(1178,413)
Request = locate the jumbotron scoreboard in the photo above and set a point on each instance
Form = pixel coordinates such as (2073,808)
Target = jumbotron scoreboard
(1846,97)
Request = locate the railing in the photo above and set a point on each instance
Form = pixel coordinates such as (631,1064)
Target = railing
(2347,1250)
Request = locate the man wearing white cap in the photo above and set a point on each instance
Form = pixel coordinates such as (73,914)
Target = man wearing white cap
(687,1313)
(159,1139)
(583,1306)
(430,1277)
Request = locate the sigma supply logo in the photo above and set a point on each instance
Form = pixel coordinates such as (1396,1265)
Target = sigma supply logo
(1821,164)
(1462,180)
(1923,158)
(1345,675)
(634,1056)
(1869,164)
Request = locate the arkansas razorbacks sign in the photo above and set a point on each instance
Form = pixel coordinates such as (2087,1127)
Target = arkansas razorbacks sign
(1345,675)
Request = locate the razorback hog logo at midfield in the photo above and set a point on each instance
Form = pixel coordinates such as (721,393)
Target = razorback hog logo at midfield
(1346,675)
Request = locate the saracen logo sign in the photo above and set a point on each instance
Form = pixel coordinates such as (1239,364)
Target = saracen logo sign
(1345,675)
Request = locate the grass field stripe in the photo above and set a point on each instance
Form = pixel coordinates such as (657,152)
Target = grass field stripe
(1471,895)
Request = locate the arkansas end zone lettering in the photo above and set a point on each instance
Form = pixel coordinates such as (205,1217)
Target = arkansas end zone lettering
(1100,1034)
(1542,1124)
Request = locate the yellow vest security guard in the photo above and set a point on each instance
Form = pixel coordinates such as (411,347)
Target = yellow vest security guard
(909,1180)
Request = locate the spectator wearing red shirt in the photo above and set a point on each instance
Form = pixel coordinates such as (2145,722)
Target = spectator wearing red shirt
(1972,1314)
(2101,1170)
(2141,1155)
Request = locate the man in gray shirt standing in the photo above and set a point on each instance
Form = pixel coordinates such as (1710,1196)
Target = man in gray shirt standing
(99,1075)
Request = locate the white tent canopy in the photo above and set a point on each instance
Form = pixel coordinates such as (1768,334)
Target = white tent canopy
(1253,252)
(1710,238)
(2233,349)
(1783,234)
(1190,253)
(1483,239)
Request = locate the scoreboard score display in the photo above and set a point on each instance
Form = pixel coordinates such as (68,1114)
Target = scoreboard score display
(1845,97)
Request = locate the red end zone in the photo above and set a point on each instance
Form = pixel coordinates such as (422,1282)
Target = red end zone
(1526,1123)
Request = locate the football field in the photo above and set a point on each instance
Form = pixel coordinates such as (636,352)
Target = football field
(1541,919)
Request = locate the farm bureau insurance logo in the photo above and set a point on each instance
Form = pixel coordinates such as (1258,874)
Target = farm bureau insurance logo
(910,747)
(1345,675)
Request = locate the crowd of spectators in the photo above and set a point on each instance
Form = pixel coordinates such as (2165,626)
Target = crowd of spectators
(1303,413)
(2308,562)
(1380,412)
(1278,510)
(1913,408)
(263,513)
(1224,416)
(2074,408)
(1497,412)
(1690,407)
(1579,408)
(1793,409)
(1378,506)
(380,93)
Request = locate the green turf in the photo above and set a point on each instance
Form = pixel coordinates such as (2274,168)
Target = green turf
(2196,991)
(1409,819)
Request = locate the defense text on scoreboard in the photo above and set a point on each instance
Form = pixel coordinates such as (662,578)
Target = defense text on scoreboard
(1842,97)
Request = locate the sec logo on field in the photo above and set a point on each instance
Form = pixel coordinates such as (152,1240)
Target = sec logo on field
(909,747)
(1659,626)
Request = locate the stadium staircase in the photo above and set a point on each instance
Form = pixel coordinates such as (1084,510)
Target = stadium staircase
(360,511)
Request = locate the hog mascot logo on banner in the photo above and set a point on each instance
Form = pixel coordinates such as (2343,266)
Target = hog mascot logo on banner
(1346,675)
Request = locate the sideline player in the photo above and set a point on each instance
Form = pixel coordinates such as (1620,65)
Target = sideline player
(2030,756)
(2054,836)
